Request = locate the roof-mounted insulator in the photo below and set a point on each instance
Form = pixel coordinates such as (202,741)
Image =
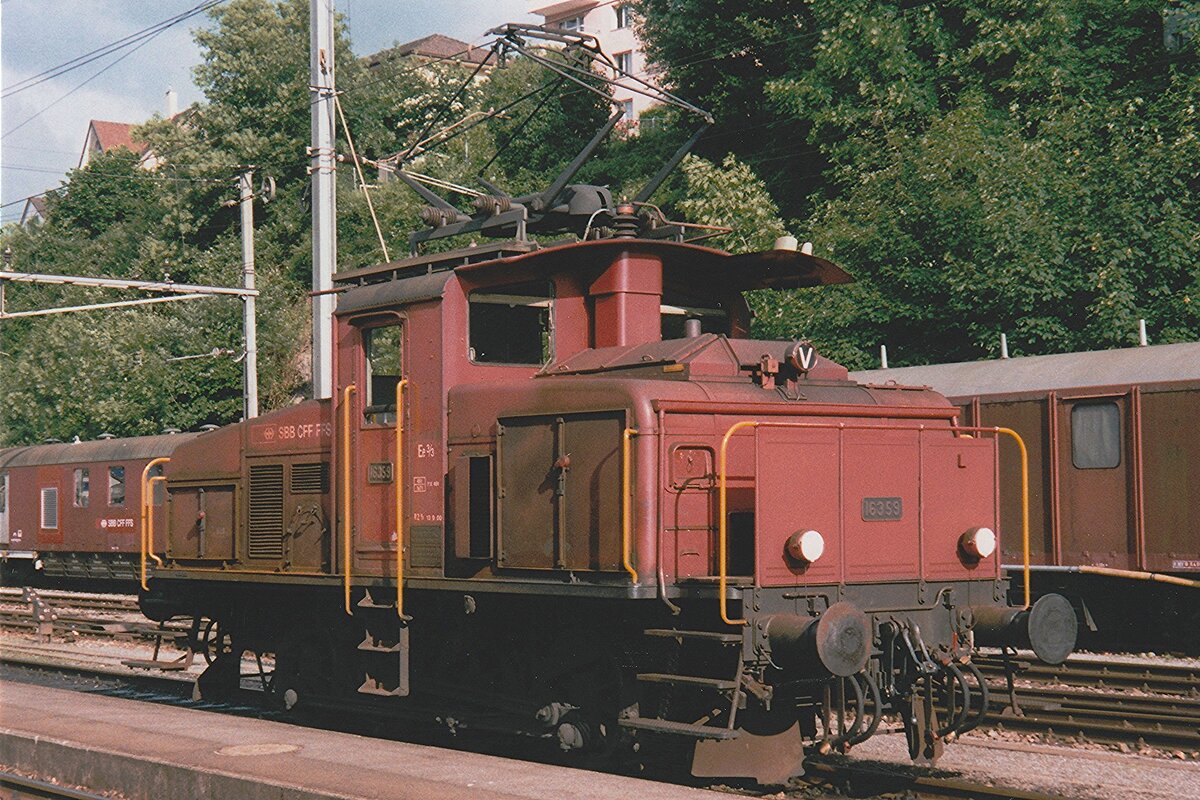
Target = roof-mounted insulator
(106,436)
(489,204)
(437,217)
(625,223)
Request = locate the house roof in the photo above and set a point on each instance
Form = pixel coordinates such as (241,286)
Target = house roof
(115,134)
(436,46)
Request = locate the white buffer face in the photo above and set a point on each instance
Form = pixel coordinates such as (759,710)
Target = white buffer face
(978,542)
(806,546)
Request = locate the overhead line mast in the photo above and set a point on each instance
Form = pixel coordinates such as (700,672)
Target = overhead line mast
(324,198)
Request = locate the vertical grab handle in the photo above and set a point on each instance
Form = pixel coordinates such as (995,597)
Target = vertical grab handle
(1024,507)
(347,393)
(723,523)
(150,519)
(147,512)
(626,502)
(400,498)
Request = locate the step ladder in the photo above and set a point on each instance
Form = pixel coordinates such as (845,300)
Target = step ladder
(724,695)
(384,649)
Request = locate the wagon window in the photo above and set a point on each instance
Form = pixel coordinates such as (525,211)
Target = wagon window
(3,492)
(511,324)
(82,488)
(382,346)
(1096,436)
(116,486)
(50,508)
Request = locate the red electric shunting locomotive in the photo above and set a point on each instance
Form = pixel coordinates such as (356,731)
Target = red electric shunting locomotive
(541,462)
(559,492)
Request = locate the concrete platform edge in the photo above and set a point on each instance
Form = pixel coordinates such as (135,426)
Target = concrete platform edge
(133,777)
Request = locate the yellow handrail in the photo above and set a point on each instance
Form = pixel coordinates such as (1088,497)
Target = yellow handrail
(400,498)
(1024,504)
(347,393)
(722,523)
(150,520)
(626,503)
(145,514)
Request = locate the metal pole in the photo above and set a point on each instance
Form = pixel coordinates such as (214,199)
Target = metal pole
(324,210)
(249,320)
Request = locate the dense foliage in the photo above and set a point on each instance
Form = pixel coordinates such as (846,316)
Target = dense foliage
(980,166)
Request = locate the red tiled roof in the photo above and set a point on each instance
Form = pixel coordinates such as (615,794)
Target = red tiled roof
(436,46)
(116,134)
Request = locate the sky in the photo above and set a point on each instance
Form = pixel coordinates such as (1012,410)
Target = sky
(36,35)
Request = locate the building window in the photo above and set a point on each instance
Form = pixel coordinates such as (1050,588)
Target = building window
(116,486)
(570,24)
(1095,436)
(511,324)
(50,509)
(82,488)
(627,111)
(382,347)
(624,16)
(624,62)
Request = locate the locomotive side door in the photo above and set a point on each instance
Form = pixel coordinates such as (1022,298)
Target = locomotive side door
(1094,468)
(373,444)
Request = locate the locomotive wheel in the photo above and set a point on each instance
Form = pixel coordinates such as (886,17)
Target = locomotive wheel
(214,642)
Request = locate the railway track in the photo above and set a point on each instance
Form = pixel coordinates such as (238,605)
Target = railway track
(21,787)
(1112,702)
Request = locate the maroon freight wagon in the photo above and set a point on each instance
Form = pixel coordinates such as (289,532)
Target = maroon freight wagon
(1114,447)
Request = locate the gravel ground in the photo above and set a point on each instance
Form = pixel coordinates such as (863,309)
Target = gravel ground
(1069,771)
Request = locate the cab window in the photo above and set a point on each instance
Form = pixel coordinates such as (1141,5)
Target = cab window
(382,348)
(511,324)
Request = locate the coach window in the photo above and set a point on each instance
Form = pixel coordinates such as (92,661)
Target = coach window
(82,487)
(511,324)
(1096,435)
(382,347)
(116,486)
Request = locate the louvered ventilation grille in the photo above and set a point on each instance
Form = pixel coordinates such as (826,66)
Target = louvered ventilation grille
(309,478)
(266,511)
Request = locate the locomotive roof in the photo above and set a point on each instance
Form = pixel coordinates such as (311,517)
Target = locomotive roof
(770,269)
(1164,363)
(131,449)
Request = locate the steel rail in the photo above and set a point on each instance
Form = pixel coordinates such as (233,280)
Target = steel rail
(22,786)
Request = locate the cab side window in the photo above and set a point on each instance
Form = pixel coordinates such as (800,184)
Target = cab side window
(511,324)
(382,347)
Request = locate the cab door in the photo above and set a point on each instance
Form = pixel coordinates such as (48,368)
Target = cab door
(1095,479)
(377,372)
